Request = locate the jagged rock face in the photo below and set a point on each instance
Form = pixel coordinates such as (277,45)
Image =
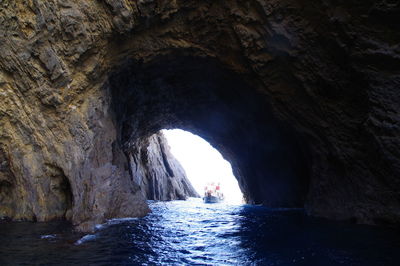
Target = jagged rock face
(156,170)
(301,96)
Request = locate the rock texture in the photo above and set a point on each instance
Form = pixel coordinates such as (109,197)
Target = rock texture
(158,173)
(301,96)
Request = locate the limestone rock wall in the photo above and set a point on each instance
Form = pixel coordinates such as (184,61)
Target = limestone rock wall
(159,174)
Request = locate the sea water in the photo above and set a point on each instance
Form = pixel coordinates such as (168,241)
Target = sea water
(193,233)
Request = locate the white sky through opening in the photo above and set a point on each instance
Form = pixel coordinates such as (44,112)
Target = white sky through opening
(203,163)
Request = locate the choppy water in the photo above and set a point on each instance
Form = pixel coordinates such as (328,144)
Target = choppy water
(179,232)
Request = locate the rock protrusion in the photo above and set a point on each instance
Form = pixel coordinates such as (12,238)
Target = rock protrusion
(159,174)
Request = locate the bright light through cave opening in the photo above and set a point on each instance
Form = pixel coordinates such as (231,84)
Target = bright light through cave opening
(203,164)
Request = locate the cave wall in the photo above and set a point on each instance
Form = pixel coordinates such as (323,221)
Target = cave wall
(155,169)
(71,168)
(329,69)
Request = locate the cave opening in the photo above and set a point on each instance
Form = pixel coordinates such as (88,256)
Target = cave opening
(203,164)
(202,96)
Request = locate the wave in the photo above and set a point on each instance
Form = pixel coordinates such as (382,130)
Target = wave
(114,221)
(48,236)
(85,238)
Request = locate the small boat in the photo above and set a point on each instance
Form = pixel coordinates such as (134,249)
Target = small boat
(212,199)
(212,194)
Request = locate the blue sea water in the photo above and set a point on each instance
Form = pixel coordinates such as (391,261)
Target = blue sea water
(193,233)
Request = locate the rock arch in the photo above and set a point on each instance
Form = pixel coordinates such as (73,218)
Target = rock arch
(202,96)
(317,66)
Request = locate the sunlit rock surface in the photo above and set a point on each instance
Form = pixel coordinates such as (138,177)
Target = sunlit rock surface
(303,101)
(158,173)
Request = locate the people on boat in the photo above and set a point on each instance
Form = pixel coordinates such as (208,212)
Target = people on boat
(212,192)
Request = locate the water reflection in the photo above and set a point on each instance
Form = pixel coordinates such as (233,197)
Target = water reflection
(191,232)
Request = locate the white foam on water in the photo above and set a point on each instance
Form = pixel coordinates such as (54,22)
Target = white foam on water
(114,221)
(85,238)
(121,220)
(99,226)
(48,236)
